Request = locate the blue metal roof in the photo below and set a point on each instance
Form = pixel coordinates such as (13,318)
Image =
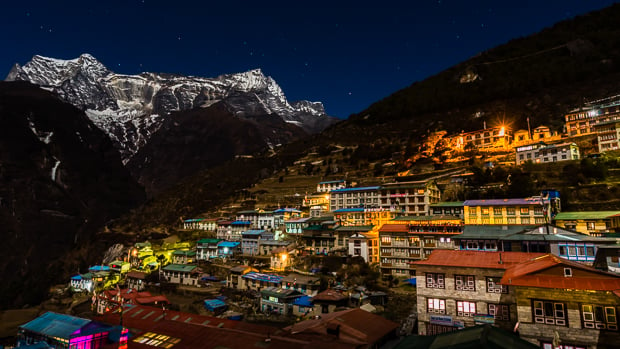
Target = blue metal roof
(303,301)
(253,232)
(56,325)
(328,182)
(351,209)
(212,304)
(241,223)
(228,244)
(355,189)
(280,210)
(96,268)
(263,277)
(192,220)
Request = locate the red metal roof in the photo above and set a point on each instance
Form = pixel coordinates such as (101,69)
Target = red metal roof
(526,274)
(394,228)
(329,295)
(476,259)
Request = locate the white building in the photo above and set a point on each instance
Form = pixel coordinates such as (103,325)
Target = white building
(543,153)
(358,246)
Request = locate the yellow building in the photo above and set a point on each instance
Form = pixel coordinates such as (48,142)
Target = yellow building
(595,223)
(524,211)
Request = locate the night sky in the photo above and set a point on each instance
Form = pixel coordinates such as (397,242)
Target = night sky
(344,54)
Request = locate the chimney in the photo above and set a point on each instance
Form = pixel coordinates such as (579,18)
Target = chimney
(500,259)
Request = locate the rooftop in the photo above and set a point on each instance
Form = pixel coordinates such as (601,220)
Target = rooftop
(329,295)
(344,190)
(183,268)
(263,277)
(586,215)
(347,210)
(394,228)
(539,272)
(505,202)
(476,259)
(448,204)
(62,326)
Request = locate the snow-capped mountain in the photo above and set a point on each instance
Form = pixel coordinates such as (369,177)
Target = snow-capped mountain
(130,108)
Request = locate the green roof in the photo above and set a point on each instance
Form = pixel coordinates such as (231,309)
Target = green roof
(586,215)
(184,253)
(183,268)
(481,336)
(209,241)
(355,228)
(449,204)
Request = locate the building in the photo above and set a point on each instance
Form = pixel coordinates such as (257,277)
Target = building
(608,259)
(318,237)
(410,239)
(181,274)
(543,153)
(183,257)
(358,247)
(354,197)
(355,327)
(275,300)
(608,134)
(252,239)
(595,223)
(235,273)
(447,208)
(207,249)
(269,247)
(136,280)
(305,284)
(228,249)
(111,300)
(258,281)
(231,231)
(579,122)
(497,138)
(329,301)
(409,198)
(458,289)
(546,239)
(525,211)
(64,331)
(295,226)
(208,224)
(326,187)
(82,283)
(558,299)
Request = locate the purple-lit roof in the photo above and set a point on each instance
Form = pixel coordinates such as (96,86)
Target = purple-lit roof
(505,202)
(263,277)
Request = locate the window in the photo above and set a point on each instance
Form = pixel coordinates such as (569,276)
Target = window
(590,225)
(436,306)
(549,313)
(524,210)
(485,211)
(525,221)
(493,287)
(464,283)
(464,308)
(435,280)
(599,317)
(497,211)
(510,211)
(472,211)
(500,311)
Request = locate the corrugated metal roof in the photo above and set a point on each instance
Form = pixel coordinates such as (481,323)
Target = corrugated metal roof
(476,259)
(344,190)
(394,228)
(350,209)
(228,244)
(57,325)
(184,268)
(504,202)
(449,204)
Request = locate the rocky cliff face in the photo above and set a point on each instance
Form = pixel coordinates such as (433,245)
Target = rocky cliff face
(60,180)
(131,108)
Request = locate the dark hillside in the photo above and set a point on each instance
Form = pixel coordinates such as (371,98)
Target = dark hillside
(60,181)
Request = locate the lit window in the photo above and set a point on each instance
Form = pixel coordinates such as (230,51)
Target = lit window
(549,313)
(435,305)
(599,317)
(464,308)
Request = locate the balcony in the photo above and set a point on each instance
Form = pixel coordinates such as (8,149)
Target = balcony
(386,254)
(386,265)
(430,245)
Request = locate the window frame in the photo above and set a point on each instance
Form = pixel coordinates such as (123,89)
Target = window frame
(435,280)
(467,283)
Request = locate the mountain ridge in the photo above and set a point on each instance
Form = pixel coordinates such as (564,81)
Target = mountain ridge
(131,108)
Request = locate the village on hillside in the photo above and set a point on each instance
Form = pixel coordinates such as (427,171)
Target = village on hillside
(394,265)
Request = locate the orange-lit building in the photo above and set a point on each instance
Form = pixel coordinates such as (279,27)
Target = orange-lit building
(489,139)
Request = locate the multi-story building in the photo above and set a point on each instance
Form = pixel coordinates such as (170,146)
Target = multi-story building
(410,239)
(231,230)
(565,303)
(594,223)
(546,238)
(259,219)
(52,330)
(608,134)
(447,208)
(209,224)
(327,186)
(295,226)
(544,153)
(363,216)
(184,257)
(524,211)
(258,281)
(458,289)
(308,285)
(497,138)
(354,197)
(344,233)
(252,239)
(582,121)
(182,274)
(318,236)
(206,249)
(409,198)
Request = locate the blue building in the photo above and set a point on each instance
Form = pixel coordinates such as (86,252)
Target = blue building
(63,331)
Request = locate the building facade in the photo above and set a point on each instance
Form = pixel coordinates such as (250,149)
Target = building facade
(544,153)
(525,211)
(594,223)
(354,197)
(409,198)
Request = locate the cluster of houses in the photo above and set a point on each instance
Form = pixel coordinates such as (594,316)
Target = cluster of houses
(600,119)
